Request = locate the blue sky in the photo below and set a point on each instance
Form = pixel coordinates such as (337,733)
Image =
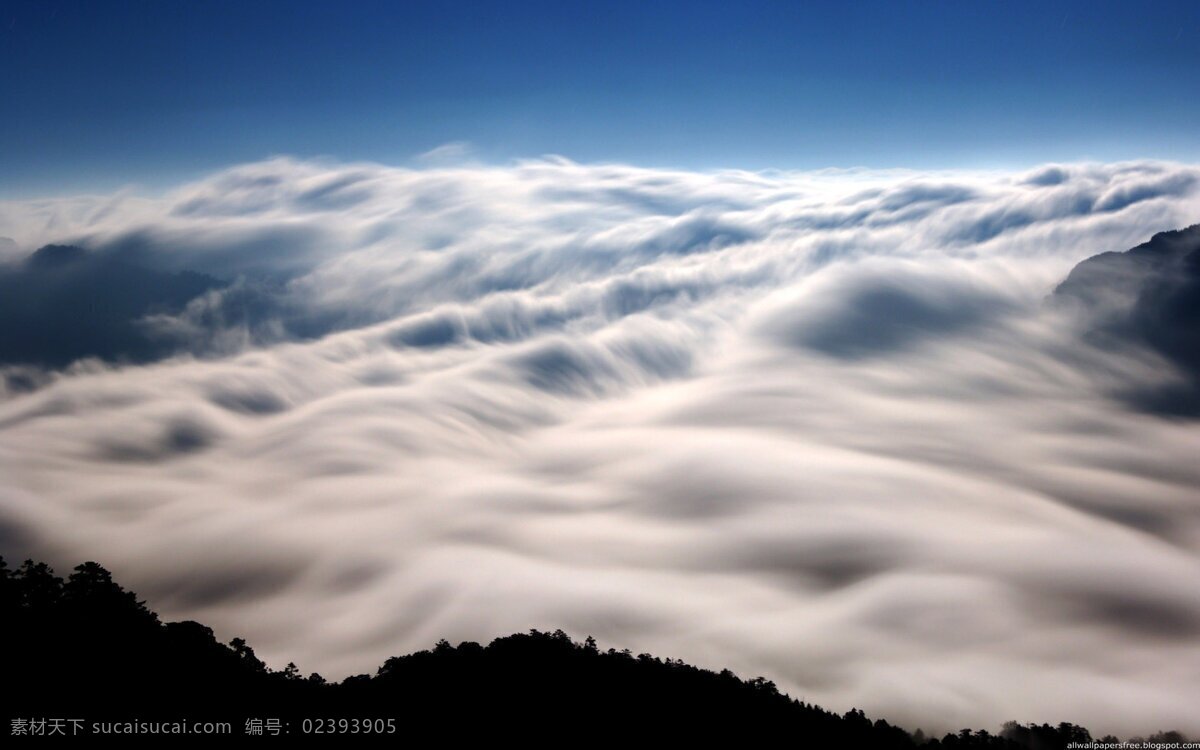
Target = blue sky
(98,95)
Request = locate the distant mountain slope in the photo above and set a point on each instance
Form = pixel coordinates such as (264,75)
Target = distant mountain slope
(64,303)
(1148,296)
(86,648)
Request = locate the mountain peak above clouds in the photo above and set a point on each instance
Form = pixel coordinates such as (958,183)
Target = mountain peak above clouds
(1147,297)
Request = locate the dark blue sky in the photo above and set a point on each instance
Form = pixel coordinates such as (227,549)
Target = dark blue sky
(98,94)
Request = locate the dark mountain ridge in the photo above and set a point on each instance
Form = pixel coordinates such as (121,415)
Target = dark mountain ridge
(64,303)
(85,648)
(1149,298)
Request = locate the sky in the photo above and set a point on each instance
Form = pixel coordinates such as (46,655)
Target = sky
(849,345)
(142,93)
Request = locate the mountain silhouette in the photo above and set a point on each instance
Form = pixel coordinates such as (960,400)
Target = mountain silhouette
(1148,298)
(85,648)
(64,303)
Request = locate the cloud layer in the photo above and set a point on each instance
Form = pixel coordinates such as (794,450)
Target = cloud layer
(821,427)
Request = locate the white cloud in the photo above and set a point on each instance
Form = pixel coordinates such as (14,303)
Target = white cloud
(454,152)
(816,426)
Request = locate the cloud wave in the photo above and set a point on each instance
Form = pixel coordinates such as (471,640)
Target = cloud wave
(817,426)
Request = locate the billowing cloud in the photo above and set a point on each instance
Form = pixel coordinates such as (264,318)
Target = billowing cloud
(824,427)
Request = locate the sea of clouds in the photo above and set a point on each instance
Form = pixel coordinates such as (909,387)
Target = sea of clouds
(823,427)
